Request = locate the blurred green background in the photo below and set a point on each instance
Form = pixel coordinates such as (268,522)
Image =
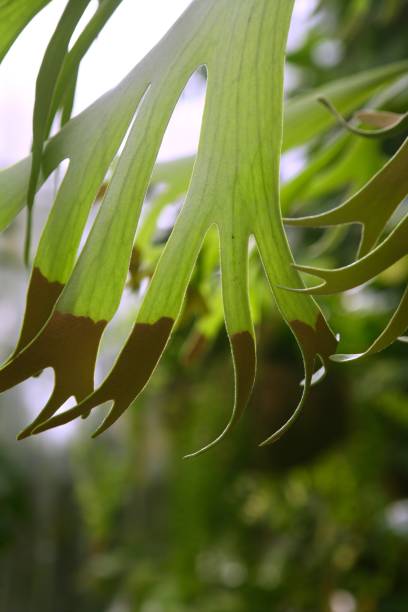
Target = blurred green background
(318,522)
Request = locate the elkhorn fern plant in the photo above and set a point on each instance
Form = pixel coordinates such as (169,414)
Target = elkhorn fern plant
(234,187)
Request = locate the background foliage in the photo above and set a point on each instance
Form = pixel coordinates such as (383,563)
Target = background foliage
(319,521)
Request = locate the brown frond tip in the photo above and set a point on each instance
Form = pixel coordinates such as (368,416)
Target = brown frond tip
(133,369)
(128,377)
(244,352)
(42,296)
(69,345)
(318,340)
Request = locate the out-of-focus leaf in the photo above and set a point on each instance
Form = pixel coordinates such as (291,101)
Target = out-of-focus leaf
(307,118)
(387,124)
(324,158)
(360,160)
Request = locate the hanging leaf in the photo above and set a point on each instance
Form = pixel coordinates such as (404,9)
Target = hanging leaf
(372,206)
(234,188)
(387,124)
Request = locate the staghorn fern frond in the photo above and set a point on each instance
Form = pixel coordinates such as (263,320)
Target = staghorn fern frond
(234,187)
(372,207)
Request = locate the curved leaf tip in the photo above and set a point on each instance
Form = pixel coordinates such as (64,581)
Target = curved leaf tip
(244,359)
(315,342)
(387,124)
